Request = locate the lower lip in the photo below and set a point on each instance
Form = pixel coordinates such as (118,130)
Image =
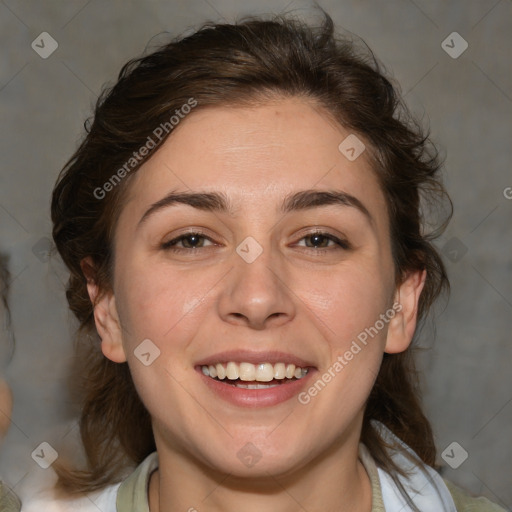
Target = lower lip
(256,397)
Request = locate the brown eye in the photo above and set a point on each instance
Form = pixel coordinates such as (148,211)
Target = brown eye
(324,241)
(189,241)
(318,240)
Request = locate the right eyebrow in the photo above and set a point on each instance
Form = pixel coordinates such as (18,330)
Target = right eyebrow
(207,201)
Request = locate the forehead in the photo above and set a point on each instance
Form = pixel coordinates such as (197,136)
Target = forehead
(256,155)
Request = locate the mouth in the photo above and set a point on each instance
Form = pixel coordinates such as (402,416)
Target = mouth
(255,380)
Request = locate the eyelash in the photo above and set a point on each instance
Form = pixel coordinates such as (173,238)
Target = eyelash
(341,244)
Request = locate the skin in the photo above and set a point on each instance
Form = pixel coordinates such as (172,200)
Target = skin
(292,298)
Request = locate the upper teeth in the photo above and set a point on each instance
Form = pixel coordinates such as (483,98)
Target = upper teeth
(263,372)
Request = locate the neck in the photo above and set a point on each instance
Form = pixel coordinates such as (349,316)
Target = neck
(336,481)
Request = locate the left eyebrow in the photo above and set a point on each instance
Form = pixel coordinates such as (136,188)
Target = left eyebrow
(218,202)
(308,199)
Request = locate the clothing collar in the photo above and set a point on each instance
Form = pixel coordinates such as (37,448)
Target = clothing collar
(132,495)
(424,486)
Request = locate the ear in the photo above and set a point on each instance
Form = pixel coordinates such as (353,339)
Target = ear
(105,315)
(402,326)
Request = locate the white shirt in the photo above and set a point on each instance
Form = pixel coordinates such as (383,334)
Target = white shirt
(424,486)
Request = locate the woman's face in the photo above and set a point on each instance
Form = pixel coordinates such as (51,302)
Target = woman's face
(282,274)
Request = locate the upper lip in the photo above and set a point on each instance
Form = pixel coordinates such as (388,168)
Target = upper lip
(255,357)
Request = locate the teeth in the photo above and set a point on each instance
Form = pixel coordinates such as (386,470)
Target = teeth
(263,372)
(290,371)
(247,371)
(221,372)
(232,372)
(255,386)
(279,371)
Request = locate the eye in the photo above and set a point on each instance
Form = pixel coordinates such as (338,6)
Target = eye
(319,242)
(189,241)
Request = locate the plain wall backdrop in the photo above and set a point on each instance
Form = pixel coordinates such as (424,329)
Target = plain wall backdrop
(466,98)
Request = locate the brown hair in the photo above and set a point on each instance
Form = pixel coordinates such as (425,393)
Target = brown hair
(230,64)
(6,333)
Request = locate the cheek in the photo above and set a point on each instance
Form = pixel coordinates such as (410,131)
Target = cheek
(347,307)
(163,304)
(346,302)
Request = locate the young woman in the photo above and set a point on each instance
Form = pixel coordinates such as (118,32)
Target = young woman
(249,263)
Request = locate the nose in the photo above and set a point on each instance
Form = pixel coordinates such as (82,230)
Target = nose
(257,294)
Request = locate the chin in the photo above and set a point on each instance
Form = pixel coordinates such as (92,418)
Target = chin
(256,456)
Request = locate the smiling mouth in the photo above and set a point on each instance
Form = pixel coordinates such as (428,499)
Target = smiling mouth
(254,376)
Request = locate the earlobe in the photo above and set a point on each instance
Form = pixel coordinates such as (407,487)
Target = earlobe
(403,325)
(105,315)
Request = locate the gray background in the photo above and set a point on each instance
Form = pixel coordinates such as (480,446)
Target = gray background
(466,100)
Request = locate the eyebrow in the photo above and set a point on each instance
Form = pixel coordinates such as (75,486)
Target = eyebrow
(219,202)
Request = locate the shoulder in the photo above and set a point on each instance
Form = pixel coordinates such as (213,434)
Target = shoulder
(37,494)
(466,503)
(9,502)
(130,495)
(104,500)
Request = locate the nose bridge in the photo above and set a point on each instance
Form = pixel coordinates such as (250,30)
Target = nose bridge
(257,292)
